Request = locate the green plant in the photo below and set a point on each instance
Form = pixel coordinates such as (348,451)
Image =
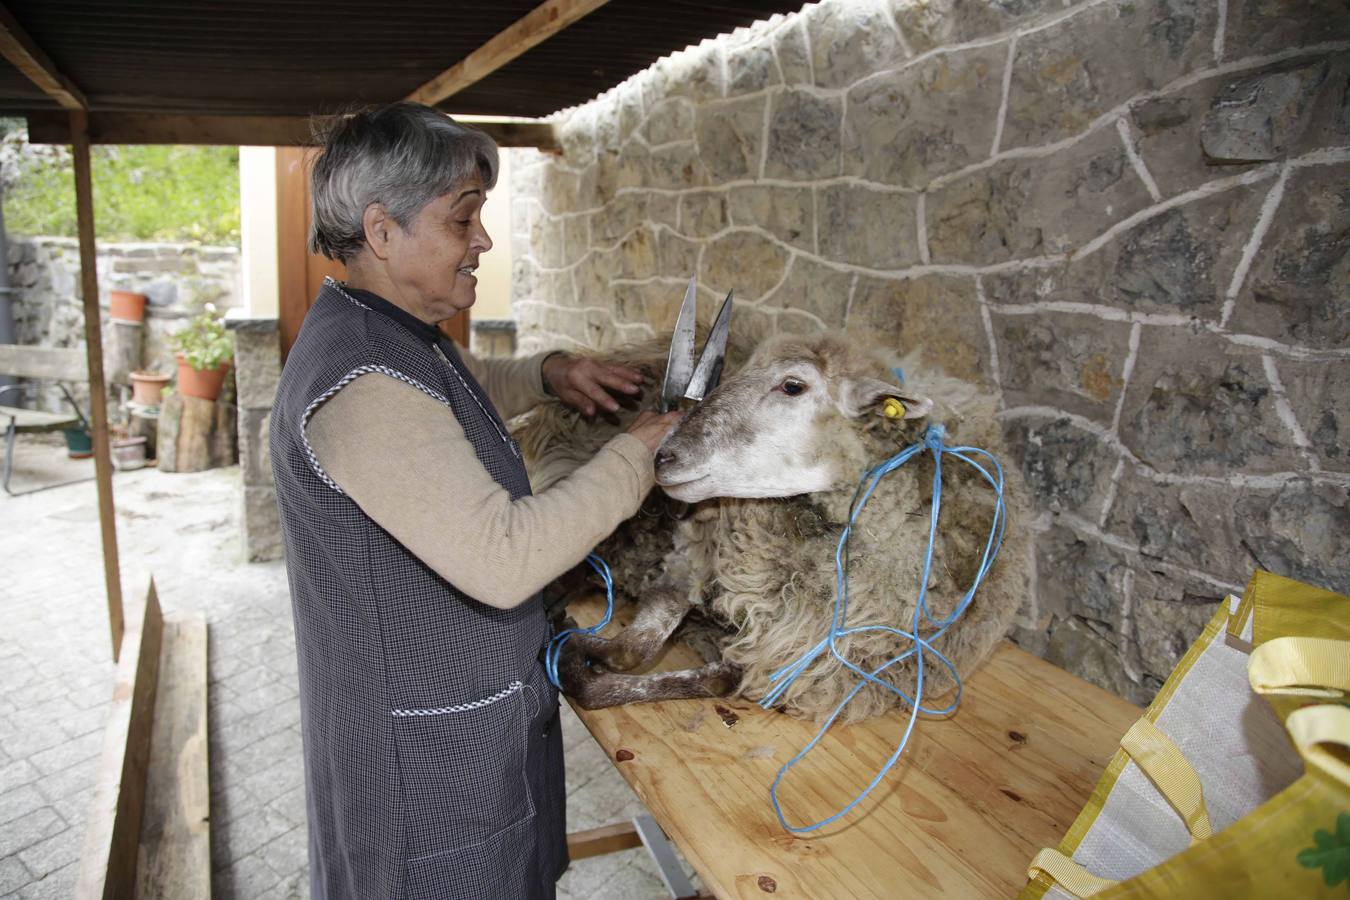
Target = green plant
(205,343)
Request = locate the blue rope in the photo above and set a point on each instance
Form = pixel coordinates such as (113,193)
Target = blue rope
(933,440)
(555,645)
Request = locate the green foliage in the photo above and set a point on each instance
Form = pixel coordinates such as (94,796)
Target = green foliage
(141,193)
(205,343)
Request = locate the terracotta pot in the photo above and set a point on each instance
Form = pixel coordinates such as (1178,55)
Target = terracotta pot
(128,306)
(146,386)
(203,383)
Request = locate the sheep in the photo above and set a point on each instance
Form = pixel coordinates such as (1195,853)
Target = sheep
(756,484)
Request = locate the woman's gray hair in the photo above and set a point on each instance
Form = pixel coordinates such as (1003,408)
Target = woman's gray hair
(402,156)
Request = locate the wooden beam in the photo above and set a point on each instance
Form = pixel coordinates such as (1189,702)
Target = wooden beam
(98,392)
(260,131)
(26,56)
(112,832)
(602,840)
(537,26)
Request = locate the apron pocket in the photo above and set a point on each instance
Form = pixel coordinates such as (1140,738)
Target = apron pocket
(463,771)
(494,869)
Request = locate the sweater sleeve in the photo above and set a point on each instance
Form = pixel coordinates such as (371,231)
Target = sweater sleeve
(405,460)
(513,384)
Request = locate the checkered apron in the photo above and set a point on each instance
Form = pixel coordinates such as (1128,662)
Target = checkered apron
(433,753)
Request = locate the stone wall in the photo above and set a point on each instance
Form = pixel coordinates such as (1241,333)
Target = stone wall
(1132,219)
(177,279)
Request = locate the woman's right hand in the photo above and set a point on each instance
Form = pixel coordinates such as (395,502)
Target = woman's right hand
(651,428)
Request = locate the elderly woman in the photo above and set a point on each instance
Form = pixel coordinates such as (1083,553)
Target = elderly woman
(416,553)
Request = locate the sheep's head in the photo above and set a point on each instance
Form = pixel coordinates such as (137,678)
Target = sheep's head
(786,423)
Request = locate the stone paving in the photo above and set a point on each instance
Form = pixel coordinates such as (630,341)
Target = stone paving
(56,674)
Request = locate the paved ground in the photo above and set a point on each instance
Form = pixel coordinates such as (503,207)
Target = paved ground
(55,683)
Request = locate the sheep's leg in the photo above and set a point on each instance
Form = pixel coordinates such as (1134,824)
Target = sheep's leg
(596,689)
(659,613)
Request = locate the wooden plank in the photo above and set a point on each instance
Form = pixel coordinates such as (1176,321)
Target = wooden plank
(536,26)
(108,861)
(25,55)
(973,798)
(293,296)
(261,131)
(98,392)
(175,843)
(60,363)
(33,420)
(602,840)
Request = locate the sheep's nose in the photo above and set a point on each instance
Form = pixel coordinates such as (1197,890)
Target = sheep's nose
(664,458)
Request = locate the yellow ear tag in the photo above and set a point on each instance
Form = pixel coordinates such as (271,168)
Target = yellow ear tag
(893,408)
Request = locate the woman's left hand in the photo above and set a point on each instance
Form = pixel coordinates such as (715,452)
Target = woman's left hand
(586,383)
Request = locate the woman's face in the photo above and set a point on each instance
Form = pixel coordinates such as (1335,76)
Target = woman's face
(431,263)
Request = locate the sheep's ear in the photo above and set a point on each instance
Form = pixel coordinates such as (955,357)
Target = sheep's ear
(872,394)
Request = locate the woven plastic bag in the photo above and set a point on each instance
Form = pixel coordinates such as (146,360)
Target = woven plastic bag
(1236,781)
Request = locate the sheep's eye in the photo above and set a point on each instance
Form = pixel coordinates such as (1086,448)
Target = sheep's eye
(792,387)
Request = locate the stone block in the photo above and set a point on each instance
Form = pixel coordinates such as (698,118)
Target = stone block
(1067,361)
(1261,117)
(1190,525)
(1301,531)
(257,364)
(1080,576)
(1068,75)
(558,189)
(546,240)
(255,455)
(676,256)
(637,253)
(937,314)
(1021,208)
(576,238)
(592,276)
(750,68)
(1170,613)
(1296,288)
(619,217)
(703,213)
(850,41)
(804,139)
(1179,261)
(811,287)
(785,212)
(1066,469)
(939,23)
(663,209)
(695,73)
(744,261)
(1167,135)
(1257,27)
(1092,656)
(1199,404)
(791,53)
(906,127)
(676,167)
(671,120)
(866,227)
(729,137)
(1317,393)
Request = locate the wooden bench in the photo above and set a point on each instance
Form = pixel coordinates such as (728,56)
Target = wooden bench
(971,801)
(148,833)
(61,365)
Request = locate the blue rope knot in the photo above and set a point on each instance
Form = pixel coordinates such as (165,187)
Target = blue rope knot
(555,644)
(921,644)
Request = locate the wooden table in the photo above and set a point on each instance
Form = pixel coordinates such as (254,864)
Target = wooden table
(972,799)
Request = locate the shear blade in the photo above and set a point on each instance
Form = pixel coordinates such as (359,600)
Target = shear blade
(680,361)
(708,372)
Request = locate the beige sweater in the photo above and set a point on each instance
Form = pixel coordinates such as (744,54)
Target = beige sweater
(405,460)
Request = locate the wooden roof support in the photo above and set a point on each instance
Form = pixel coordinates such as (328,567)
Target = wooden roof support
(98,392)
(261,131)
(26,56)
(536,26)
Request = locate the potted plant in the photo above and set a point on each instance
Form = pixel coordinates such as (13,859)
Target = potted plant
(204,351)
(146,387)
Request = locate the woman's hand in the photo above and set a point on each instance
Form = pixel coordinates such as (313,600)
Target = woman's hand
(586,383)
(651,428)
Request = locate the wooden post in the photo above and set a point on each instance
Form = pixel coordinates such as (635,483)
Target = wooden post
(98,392)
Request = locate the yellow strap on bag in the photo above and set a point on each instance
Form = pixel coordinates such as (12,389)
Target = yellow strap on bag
(1282,607)
(1291,672)
(1167,768)
(1321,734)
(1068,874)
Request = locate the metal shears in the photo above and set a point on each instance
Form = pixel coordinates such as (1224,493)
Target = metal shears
(684,377)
